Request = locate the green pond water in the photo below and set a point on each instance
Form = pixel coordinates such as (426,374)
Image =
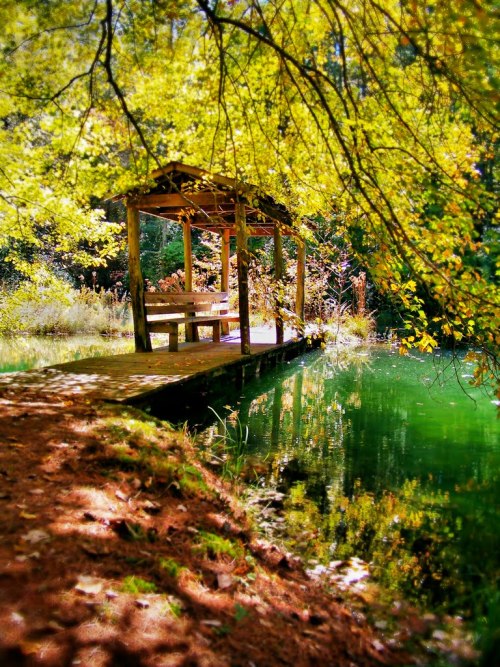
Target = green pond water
(20,353)
(379,456)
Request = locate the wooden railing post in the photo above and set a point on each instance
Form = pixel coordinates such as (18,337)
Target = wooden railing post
(141,334)
(242,255)
(301,280)
(224,276)
(191,333)
(278,277)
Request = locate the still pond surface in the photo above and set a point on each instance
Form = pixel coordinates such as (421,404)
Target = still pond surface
(379,456)
(21,353)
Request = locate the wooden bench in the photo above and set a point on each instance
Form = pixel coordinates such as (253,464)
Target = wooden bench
(165,311)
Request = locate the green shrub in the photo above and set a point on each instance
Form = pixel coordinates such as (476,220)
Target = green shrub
(51,306)
(361,326)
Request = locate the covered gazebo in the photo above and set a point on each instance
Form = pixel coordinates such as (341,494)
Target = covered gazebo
(225,206)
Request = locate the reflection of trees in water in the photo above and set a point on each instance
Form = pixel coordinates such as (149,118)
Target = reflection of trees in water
(418,542)
(347,443)
(306,434)
(18,353)
(421,543)
(303,424)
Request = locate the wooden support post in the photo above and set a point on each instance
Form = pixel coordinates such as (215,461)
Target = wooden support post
(242,254)
(191,332)
(141,334)
(224,276)
(278,278)
(188,257)
(301,280)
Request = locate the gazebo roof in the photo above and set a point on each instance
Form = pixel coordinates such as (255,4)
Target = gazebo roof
(209,201)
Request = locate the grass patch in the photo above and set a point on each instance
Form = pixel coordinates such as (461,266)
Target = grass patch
(191,480)
(214,546)
(171,567)
(240,613)
(136,585)
(173,606)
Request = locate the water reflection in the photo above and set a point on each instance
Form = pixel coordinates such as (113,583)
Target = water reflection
(21,353)
(379,460)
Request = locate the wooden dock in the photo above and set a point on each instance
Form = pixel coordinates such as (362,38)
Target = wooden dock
(161,380)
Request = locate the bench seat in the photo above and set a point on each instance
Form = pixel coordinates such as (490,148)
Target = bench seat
(166,311)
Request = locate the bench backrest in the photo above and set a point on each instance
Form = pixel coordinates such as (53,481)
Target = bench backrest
(172,303)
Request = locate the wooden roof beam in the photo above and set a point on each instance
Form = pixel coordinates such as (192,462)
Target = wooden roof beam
(199,199)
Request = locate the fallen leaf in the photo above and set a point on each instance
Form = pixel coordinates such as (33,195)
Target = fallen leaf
(224,580)
(36,535)
(24,557)
(212,623)
(27,515)
(88,585)
(121,496)
(54,625)
(151,507)
(16,617)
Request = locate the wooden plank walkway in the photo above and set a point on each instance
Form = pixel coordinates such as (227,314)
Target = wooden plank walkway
(160,377)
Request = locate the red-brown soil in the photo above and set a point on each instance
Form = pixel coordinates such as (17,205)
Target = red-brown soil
(117,548)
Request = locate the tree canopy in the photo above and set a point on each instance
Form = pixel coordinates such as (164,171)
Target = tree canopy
(379,116)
